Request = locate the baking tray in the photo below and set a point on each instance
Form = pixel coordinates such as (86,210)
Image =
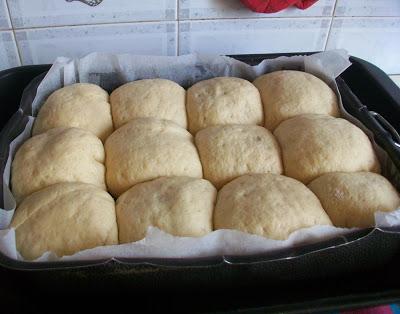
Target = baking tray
(359,273)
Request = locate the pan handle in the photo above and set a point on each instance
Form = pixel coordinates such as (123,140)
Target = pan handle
(387,126)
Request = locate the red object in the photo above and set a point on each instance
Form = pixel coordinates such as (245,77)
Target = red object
(272,6)
(384,309)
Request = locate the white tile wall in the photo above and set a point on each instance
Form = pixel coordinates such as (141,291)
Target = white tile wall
(43,45)
(4,18)
(367,28)
(253,35)
(42,13)
(216,9)
(8,51)
(396,79)
(374,39)
(367,8)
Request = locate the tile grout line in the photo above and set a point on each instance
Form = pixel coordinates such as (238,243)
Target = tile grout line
(177,28)
(198,20)
(94,24)
(294,17)
(330,25)
(329,34)
(159,21)
(13,32)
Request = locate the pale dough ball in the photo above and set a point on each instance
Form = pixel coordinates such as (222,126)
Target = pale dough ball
(180,206)
(147,148)
(58,155)
(316,144)
(223,100)
(351,199)
(80,105)
(64,218)
(269,205)
(287,93)
(229,151)
(150,98)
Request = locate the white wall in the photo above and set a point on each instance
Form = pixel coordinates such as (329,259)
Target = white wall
(38,31)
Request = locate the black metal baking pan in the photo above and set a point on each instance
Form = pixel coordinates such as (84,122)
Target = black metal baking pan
(359,273)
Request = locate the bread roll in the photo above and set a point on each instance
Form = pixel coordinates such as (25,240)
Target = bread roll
(181,206)
(223,100)
(269,205)
(229,151)
(351,199)
(286,94)
(58,155)
(316,144)
(80,105)
(147,148)
(151,98)
(64,218)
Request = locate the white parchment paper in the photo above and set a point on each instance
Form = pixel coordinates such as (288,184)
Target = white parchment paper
(110,71)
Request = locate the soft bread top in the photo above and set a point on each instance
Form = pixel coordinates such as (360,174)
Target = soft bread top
(58,155)
(269,205)
(229,151)
(150,98)
(79,105)
(223,100)
(352,198)
(316,144)
(286,94)
(181,206)
(64,218)
(147,148)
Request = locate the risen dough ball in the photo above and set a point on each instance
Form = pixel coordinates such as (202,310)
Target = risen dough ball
(269,205)
(147,148)
(316,144)
(64,218)
(351,199)
(223,100)
(58,155)
(229,151)
(155,98)
(181,206)
(286,94)
(79,105)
